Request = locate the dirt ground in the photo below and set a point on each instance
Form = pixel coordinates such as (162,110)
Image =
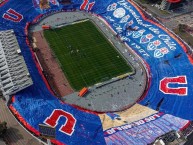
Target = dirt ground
(136,112)
(51,69)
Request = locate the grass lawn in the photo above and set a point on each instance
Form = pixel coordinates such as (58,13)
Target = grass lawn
(85,55)
(185,36)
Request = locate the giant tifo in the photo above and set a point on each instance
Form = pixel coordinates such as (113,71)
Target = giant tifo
(99,71)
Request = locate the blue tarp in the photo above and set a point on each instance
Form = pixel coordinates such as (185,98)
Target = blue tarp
(149,41)
(123,14)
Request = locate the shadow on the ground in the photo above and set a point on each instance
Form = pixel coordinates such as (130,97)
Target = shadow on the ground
(12,135)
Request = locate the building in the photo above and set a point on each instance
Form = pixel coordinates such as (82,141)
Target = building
(14,75)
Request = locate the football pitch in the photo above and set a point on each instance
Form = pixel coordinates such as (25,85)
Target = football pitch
(85,55)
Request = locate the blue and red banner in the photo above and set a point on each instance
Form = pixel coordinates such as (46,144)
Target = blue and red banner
(171,82)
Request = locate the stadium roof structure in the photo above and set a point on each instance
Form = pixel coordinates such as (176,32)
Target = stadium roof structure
(14,75)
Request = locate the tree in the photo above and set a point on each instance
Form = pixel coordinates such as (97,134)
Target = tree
(3,128)
(182,27)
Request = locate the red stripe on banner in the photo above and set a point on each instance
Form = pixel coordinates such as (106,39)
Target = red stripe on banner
(56,142)
(90,6)
(148,83)
(185,126)
(37,18)
(13,99)
(22,120)
(83,6)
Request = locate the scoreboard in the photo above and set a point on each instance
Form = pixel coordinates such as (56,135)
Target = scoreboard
(47,131)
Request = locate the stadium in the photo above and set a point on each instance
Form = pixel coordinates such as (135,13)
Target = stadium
(94,72)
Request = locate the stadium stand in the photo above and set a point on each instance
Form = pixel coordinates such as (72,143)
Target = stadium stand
(14,75)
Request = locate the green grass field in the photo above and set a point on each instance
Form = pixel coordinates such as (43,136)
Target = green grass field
(85,55)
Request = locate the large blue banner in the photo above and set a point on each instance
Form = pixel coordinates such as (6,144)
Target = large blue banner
(170,67)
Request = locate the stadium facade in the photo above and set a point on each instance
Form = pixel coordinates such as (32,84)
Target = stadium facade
(14,75)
